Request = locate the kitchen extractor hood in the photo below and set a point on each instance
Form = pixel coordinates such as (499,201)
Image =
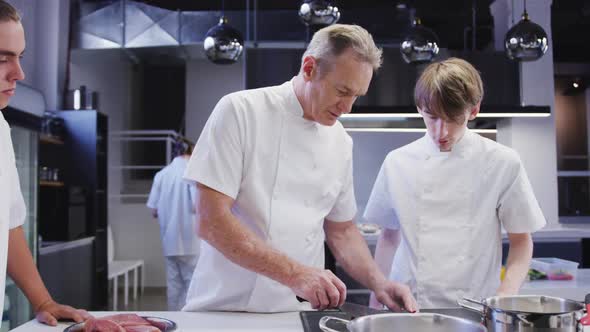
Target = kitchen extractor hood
(152,34)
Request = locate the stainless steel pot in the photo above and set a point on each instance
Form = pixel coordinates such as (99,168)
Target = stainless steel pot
(418,322)
(528,313)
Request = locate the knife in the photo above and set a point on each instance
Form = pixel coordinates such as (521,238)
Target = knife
(357,310)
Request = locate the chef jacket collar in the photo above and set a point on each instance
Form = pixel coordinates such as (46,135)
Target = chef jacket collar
(460,149)
(292,105)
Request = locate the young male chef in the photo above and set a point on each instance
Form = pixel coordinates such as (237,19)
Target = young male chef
(15,256)
(273,168)
(443,199)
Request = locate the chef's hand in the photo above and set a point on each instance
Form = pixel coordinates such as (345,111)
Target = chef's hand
(320,287)
(50,312)
(396,296)
(373,303)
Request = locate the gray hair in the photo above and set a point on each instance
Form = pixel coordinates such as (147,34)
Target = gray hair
(329,42)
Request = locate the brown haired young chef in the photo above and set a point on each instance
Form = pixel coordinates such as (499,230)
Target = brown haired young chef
(443,199)
(15,257)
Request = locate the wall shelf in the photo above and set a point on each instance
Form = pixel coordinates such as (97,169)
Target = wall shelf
(51,184)
(46,139)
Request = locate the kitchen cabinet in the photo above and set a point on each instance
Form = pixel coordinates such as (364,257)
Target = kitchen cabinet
(69,283)
(73,204)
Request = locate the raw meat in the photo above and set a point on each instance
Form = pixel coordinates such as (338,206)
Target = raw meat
(120,323)
(142,328)
(102,325)
(127,320)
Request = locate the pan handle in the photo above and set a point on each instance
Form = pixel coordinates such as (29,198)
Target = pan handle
(324,323)
(465,304)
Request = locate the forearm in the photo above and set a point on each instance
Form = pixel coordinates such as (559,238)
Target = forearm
(387,245)
(21,268)
(351,251)
(243,247)
(517,264)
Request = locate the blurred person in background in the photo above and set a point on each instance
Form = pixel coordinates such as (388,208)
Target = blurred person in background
(172,201)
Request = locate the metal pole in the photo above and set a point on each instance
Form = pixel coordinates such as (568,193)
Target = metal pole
(473,24)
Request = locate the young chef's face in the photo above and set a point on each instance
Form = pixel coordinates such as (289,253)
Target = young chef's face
(334,88)
(443,131)
(12,46)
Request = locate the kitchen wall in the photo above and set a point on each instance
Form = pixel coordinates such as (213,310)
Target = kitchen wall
(28,11)
(571,124)
(206,83)
(587,94)
(46,51)
(111,73)
(526,135)
(135,232)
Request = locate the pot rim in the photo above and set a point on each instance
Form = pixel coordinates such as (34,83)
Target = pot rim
(416,314)
(485,303)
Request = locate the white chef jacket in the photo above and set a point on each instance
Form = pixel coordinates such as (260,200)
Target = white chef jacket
(12,205)
(175,198)
(450,207)
(286,175)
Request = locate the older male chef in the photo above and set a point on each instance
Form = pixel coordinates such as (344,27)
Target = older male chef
(274,170)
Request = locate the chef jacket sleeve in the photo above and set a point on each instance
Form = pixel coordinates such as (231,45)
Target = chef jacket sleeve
(18,209)
(518,209)
(218,155)
(154,197)
(380,207)
(192,191)
(345,207)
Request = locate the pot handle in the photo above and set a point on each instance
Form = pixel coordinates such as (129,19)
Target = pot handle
(464,303)
(324,323)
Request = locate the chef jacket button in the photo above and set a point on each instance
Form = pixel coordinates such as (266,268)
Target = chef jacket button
(306,203)
(428,190)
(427,157)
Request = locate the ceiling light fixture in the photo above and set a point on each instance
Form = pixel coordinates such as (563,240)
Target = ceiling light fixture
(318,12)
(525,41)
(223,44)
(420,45)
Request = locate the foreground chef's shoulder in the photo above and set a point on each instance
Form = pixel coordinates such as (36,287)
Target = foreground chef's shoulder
(253,100)
(498,155)
(342,134)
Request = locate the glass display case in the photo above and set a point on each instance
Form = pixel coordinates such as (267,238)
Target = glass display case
(17,309)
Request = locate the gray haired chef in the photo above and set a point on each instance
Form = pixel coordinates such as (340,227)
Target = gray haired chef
(273,168)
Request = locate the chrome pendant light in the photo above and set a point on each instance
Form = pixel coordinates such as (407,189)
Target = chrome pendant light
(420,45)
(318,12)
(223,44)
(525,41)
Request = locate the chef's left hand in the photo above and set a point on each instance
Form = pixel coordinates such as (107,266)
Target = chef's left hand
(396,296)
(50,312)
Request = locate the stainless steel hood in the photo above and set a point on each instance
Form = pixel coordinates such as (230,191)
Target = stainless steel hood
(148,33)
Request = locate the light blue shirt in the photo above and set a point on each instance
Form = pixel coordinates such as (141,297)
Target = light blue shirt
(174,199)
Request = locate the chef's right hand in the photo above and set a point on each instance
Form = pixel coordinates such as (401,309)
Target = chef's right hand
(320,287)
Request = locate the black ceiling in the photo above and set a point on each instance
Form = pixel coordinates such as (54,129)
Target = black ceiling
(448,18)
